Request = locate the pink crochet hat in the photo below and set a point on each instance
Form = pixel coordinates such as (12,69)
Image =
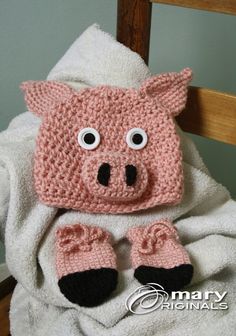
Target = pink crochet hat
(109,149)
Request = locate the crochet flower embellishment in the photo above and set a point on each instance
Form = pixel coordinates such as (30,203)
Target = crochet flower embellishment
(153,237)
(79,238)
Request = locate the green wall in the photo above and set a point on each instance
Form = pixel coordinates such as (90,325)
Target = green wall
(34,35)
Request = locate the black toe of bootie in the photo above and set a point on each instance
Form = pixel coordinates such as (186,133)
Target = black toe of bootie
(171,279)
(89,288)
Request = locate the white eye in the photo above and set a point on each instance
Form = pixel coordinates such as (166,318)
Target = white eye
(89,138)
(136,138)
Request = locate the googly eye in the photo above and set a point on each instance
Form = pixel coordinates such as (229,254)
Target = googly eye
(89,138)
(136,138)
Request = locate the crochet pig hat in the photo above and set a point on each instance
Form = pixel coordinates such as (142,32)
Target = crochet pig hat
(108,149)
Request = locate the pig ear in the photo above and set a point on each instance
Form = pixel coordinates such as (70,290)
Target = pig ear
(41,96)
(170,89)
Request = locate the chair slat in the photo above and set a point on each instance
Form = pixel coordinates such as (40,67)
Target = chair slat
(221,6)
(210,114)
(4,315)
(7,286)
(134,24)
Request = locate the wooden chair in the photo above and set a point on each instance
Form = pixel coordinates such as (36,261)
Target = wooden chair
(6,288)
(208,113)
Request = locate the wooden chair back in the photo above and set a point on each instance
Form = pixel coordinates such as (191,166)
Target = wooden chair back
(208,113)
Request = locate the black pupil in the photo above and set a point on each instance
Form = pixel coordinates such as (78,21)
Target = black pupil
(89,138)
(137,139)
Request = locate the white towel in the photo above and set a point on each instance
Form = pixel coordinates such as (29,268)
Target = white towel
(206,220)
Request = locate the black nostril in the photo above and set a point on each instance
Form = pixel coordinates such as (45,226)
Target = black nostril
(104,173)
(131,174)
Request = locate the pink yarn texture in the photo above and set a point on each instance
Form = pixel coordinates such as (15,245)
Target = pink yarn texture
(111,150)
(81,247)
(65,174)
(157,245)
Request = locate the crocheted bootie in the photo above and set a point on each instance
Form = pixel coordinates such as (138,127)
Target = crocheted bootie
(158,256)
(85,263)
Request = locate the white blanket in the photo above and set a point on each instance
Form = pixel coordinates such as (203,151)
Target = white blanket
(206,221)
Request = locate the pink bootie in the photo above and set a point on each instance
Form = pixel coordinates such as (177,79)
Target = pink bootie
(85,263)
(158,256)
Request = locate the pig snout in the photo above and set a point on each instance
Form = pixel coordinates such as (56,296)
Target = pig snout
(115,177)
(104,173)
